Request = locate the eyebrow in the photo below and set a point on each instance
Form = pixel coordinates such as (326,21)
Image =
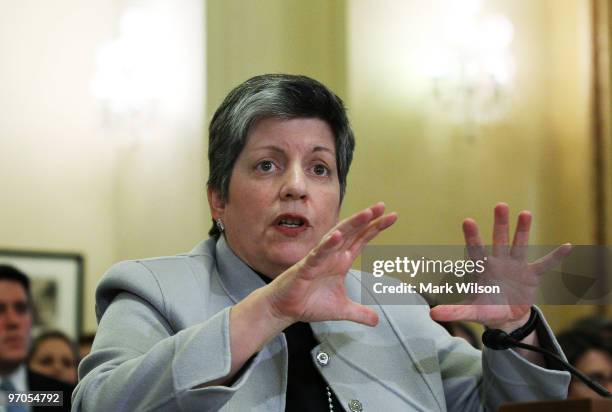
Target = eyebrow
(281,151)
(322,149)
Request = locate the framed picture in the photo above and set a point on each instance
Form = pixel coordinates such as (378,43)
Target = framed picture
(56,286)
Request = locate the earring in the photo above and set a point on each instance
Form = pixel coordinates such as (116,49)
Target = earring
(219,223)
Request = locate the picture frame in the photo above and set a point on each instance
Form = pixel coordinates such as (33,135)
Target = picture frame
(56,284)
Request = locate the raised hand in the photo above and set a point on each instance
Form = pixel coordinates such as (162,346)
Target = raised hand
(506,265)
(313,289)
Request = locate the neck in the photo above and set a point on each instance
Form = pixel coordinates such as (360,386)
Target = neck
(263,277)
(267,269)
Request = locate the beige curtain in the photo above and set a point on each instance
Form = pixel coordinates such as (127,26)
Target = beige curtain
(602,126)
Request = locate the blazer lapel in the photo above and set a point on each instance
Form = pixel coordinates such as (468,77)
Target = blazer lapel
(367,365)
(370,365)
(236,276)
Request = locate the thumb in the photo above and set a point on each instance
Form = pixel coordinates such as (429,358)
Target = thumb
(355,312)
(449,313)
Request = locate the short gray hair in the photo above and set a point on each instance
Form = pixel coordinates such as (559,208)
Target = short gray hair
(281,96)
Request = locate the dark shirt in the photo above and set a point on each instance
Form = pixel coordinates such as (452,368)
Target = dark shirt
(38,382)
(306,388)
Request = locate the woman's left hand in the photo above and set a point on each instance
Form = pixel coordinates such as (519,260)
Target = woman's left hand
(506,265)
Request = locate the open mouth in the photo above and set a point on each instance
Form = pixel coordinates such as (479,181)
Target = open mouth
(13,340)
(291,221)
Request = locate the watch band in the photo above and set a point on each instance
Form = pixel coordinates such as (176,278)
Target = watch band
(524,331)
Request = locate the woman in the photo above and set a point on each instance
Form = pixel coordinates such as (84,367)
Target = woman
(54,354)
(592,355)
(204,330)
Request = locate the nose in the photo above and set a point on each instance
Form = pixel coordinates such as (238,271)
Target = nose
(294,185)
(12,318)
(57,367)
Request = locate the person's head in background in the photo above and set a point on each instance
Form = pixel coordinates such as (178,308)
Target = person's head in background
(53,354)
(595,325)
(15,318)
(85,343)
(592,356)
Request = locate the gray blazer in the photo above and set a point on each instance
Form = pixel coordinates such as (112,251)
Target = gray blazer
(164,330)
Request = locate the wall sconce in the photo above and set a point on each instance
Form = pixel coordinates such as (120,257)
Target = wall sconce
(137,73)
(469,64)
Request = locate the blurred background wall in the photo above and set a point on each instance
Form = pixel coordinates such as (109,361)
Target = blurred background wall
(122,177)
(437,171)
(101,130)
(56,166)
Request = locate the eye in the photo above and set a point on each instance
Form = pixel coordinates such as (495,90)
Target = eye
(598,377)
(21,308)
(265,166)
(66,363)
(320,170)
(46,361)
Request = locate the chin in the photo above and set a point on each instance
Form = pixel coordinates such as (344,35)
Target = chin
(13,358)
(289,255)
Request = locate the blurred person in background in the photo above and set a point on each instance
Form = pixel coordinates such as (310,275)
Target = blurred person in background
(85,343)
(590,354)
(16,308)
(54,354)
(595,325)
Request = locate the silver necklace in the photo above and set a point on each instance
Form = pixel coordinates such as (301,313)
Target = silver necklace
(329,399)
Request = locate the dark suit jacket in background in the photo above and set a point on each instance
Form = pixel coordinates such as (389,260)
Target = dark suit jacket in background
(37,382)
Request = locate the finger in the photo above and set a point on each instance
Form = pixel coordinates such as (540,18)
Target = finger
(450,313)
(354,222)
(372,230)
(336,238)
(500,230)
(377,211)
(329,244)
(355,312)
(521,236)
(471,234)
(551,260)
(359,220)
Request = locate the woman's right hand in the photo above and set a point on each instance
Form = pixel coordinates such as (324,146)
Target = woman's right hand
(309,291)
(313,289)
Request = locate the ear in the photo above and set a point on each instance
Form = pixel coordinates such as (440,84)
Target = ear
(216,203)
